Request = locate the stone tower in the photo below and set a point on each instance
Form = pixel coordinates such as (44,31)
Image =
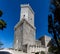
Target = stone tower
(24,30)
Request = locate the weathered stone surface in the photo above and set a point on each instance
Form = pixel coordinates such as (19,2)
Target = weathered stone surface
(28,34)
(24,35)
(27,13)
(25,29)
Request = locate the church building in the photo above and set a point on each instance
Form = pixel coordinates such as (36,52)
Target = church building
(25,32)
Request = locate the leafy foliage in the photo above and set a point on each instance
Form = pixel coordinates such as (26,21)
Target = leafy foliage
(2,25)
(53,47)
(54,25)
(54,21)
(1,13)
(37,53)
(2,22)
(42,52)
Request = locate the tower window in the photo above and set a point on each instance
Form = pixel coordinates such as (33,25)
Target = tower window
(23,16)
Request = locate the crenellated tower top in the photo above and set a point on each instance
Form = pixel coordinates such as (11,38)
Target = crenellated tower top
(27,13)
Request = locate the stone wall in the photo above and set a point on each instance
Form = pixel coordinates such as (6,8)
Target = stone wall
(18,37)
(28,34)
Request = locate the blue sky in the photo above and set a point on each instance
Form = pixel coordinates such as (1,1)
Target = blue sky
(11,14)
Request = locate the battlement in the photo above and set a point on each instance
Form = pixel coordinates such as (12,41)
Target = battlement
(27,5)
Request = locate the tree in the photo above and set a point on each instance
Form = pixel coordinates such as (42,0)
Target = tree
(2,22)
(54,21)
(42,52)
(53,47)
(54,25)
(2,25)
(37,53)
(1,13)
